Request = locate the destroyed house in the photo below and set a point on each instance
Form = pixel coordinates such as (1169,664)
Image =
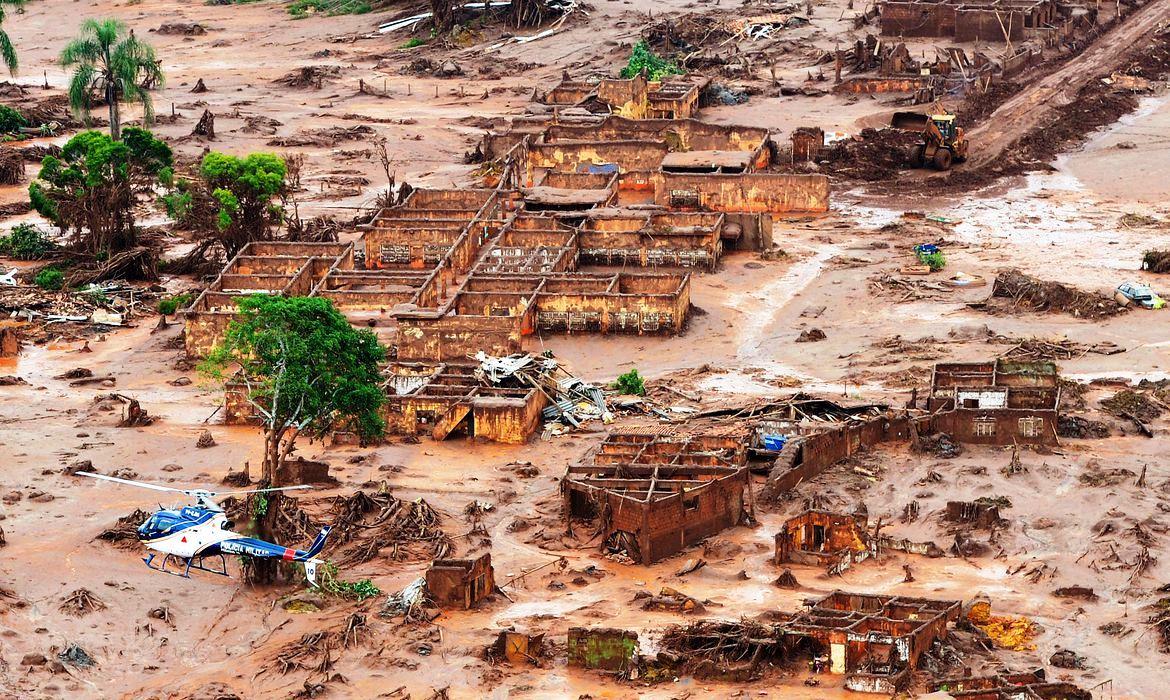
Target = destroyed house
(996,403)
(819,538)
(981,20)
(1032,685)
(646,239)
(291,269)
(634,98)
(461,583)
(502,399)
(803,436)
(654,496)
(451,272)
(874,641)
(442,399)
(679,164)
(836,541)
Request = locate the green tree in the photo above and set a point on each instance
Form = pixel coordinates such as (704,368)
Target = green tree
(7,50)
(91,189)
(109,60)
(235,200)
(304,369)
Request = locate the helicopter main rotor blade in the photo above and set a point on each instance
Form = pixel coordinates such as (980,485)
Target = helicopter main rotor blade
(280,488)
(139,484)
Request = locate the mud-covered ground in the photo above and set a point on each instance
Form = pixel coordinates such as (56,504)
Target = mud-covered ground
(1076,515)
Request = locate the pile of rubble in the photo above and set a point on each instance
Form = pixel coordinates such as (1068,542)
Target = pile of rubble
(571,401)
(1037,349)
(1052,297)
(873,154)
(44,315)
(365,524)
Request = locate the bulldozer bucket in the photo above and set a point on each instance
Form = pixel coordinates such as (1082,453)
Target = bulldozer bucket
(910,121)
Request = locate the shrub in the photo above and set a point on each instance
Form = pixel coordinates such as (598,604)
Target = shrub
(631,383)
(935,261)
(26,242)
(93,187)
(171,304)
(642,58)
(11,120)
(355,590)
(50,278)
(329,8)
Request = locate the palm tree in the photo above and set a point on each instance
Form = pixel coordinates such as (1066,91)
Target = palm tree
(7,51)
(109,58)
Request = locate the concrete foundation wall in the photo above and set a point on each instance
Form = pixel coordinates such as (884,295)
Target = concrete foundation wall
(988,25)
(750,192)
(627,155)
(455,337)
(916,19)
(677,522)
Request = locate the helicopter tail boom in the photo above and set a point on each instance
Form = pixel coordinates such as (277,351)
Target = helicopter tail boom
(319,541)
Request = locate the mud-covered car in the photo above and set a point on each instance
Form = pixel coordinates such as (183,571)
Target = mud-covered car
(1141,295)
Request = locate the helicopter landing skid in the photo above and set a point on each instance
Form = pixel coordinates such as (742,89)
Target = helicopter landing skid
(188,564)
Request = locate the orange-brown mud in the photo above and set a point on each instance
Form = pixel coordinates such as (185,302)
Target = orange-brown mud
(1065,521)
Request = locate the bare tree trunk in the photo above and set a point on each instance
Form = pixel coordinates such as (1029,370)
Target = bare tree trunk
(442,16)
(115,122)
(258,571)
(278,445)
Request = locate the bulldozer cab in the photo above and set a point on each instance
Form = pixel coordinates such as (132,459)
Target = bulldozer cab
(945,123)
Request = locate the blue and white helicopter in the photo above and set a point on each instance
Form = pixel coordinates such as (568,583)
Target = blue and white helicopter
(189,534)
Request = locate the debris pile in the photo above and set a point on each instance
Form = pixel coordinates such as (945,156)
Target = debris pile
(309,77)
(1160,622)
(1080,427)
(325,136)
(903,289)
(77,314)
(412,603)
(571,400)
(74,655)
(11,166)
(1131,404)
(871,155)
(81,602)
(366,523)
(1037,349)
(124,533)
(713,646)
(672,600)
(1014,633)
(1156,261)
(1052,297)
(940,445)
(182,29)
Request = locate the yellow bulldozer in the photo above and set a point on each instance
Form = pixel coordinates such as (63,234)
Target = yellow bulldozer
(943,142)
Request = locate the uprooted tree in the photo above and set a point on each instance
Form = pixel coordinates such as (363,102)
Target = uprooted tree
(305,370)
(231,202)
(91,189)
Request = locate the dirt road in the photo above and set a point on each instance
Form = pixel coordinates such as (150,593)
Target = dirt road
(1036,104)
